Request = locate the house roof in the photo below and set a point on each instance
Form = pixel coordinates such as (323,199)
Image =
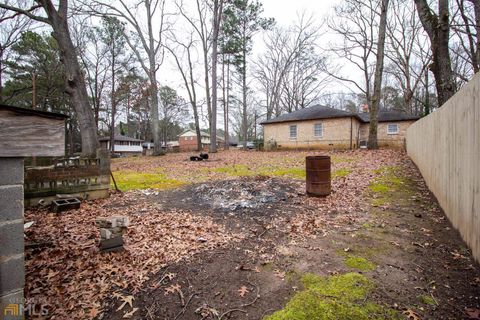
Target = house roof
(390,115)
(119,137)
(203,133)
(44,114)
(312,113)
(323,112)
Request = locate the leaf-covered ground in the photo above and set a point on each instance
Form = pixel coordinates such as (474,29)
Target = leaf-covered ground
(188,259)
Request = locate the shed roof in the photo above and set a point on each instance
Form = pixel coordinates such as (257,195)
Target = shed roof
(322,112)
(43,114)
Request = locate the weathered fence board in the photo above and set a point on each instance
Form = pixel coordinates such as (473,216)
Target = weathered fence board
(446,148)
(86,176)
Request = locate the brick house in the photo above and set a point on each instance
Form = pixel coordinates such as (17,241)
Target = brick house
(187,141)
(320,127)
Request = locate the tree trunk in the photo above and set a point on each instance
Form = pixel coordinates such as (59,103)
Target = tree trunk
(438,30)
(156,134)
(377,85)
(244,97)
(217,12)
(225,107)
(427,96)
(75,85)
(112,128)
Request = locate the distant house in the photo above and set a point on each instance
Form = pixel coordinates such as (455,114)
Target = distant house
(187,141)
(171,146)
(123,145)
(323,127)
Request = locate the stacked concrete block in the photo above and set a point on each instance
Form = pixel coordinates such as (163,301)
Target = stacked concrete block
(111,232)
(12,276)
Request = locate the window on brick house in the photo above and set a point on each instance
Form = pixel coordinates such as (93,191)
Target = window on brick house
(293,131)
(318,130)
(392,128)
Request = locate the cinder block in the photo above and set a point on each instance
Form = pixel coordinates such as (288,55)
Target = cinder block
(111,243)
(105,233)
(11,171)
(122,221)
(11,239)
(11,203)
(12,274)
(11,301)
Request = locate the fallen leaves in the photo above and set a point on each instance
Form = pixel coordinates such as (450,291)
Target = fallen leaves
(411,315)
(126,300)
(71,275)
(242,291)
(473,313)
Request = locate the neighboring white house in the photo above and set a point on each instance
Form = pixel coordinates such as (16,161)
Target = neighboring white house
(123,144)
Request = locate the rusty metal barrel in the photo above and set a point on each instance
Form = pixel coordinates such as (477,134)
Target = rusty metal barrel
(318,175)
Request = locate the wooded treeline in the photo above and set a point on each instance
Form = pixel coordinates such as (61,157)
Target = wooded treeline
(150,69)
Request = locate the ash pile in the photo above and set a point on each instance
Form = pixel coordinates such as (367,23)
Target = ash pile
(244,194)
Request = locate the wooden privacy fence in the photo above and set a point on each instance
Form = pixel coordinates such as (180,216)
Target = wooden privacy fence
(88,177)
(446,148)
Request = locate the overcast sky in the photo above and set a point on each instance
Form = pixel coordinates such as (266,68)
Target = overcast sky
(284,11)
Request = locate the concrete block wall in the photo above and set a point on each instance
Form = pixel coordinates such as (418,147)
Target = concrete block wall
(12,272)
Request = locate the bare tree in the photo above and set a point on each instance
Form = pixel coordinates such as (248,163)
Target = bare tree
(377,85)
(199,22)
(145,44)
(304,81)
(12,25)
(356,22)
(57,17)
(284,48)
(438,29)
(94,63)
(406,50)
(217,18)
(182,53)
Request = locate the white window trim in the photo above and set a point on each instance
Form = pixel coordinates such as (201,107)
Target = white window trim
(321,133)
(392,132)
(290,131)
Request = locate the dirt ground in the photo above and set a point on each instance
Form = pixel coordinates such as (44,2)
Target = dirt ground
(380,221)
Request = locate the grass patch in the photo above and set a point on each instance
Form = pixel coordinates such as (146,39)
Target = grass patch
(389,180)
(427,300)
(340,159)
(359,263)
(296,173)
(341,173)
(342,297)
(130,180)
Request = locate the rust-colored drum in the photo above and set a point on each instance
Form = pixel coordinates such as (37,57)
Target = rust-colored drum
(318,175)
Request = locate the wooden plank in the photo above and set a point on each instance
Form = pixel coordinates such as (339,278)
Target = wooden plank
(23,135)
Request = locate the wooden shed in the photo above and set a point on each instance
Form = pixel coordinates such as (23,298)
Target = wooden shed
(29,133)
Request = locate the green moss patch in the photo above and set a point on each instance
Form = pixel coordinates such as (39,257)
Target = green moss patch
(427,300)
(389,179)
(131,180)
(341,173)
(342,297)
(359,263)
